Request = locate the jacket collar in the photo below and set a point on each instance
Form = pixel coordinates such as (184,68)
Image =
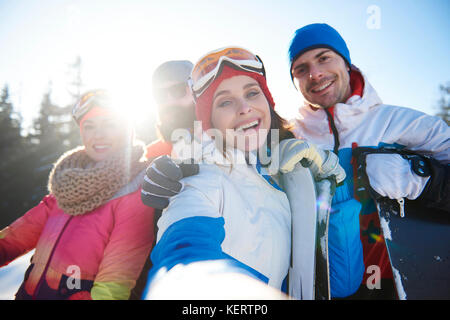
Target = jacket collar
(344,113)
(204,150)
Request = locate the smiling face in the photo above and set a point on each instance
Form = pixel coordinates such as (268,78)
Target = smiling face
(104,135)
(322,76)
(241,112)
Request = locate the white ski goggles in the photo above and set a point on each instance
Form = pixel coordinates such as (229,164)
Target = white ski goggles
(211,65)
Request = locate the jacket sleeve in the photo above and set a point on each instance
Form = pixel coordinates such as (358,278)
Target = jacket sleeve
(128,248)
(428,135)
(420,132)
(23,234)
(191,230)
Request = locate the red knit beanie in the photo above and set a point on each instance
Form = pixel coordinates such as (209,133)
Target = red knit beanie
(203,105)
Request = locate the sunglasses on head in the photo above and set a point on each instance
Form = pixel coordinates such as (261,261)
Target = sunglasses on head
(176,91)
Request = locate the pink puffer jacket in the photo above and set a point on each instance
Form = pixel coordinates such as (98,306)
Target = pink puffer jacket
(97,255)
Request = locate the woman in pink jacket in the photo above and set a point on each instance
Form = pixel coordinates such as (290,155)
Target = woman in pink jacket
(92,234)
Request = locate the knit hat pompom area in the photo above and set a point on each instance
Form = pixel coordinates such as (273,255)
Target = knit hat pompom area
(313,36)
(203,106)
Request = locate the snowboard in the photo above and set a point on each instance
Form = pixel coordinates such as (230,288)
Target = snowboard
(417,237)
(419,249)
(324,191)
(310,204)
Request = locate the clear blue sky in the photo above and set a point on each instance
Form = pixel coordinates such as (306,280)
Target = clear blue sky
(404,54)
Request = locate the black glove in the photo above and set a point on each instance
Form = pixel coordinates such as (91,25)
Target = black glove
(436,193)
(161,181)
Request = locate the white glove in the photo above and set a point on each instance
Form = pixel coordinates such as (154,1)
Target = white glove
(391,176)
(323,163)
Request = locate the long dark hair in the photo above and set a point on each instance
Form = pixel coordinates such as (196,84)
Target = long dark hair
(277,122)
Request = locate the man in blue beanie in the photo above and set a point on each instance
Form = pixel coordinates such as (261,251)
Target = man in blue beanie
(342,111)
(320,41)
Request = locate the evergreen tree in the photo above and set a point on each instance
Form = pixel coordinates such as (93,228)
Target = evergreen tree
(75,87)
(9,126)
(14,164)
(53,134)
(76,84)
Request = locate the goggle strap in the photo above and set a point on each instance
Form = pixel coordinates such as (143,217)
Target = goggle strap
(191,87)
(263,68)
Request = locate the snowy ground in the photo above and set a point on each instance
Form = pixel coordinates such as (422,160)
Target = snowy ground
(11,276)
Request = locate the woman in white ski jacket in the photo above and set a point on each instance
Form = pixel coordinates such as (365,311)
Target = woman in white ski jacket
(233,210)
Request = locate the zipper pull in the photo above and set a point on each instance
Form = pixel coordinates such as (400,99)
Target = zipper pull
(401,203)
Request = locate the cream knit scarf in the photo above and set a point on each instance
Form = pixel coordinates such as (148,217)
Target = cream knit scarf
(80,184)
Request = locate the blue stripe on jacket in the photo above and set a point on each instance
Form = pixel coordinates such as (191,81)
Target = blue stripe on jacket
(344,242)
(191,240)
